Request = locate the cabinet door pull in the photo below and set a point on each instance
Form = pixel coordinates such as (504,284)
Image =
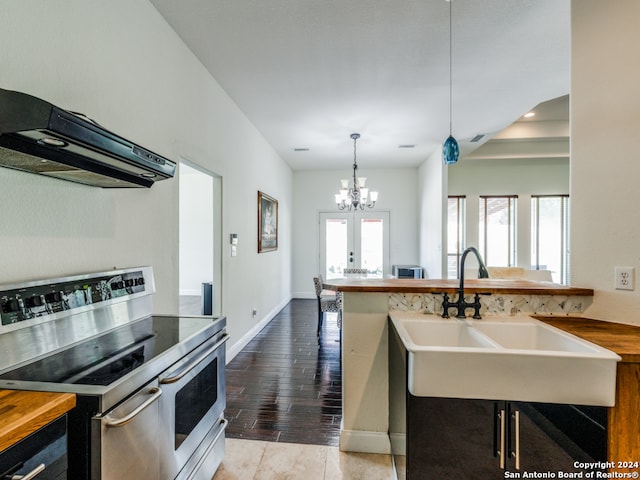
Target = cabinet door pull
(496,422)
(32,474)
(502,438)
(516,415)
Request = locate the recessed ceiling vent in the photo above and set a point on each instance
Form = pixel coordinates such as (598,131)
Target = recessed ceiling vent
(478,137)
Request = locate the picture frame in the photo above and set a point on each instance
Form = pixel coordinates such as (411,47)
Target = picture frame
(267,223)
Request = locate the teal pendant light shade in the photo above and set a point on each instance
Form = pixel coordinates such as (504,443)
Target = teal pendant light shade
(450,151)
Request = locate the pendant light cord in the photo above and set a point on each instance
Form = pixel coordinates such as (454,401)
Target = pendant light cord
(450,70)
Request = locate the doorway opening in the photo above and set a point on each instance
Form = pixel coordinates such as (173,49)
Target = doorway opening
(200,241)
(354,240)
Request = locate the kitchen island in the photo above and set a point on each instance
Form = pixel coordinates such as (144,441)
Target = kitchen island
(366,308)
(33,434)
(623,421)
(23,413)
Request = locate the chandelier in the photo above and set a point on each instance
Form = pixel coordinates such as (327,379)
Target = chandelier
(357,196)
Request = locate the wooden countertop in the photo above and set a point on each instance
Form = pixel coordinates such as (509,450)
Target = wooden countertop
(617,337)
(473,285)
(22,413)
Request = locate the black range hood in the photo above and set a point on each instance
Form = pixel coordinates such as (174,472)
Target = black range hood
(38,137)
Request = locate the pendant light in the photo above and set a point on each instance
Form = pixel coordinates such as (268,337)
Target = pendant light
(450,149)
(356,196)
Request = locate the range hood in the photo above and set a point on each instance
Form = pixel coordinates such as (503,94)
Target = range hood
(38,137)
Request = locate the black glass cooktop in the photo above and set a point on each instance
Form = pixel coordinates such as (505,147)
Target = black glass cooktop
(104,359)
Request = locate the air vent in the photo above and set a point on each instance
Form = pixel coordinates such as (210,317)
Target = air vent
(478,137)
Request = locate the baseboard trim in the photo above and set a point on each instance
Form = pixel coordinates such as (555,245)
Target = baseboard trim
(398,443)
(247,337)
(190,292)
(364,442)
(304,295)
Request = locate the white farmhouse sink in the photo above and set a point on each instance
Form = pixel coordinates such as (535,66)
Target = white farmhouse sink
(445,334)
(534,336)
(515,358)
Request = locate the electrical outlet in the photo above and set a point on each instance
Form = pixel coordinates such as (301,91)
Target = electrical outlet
(624,278)
(254,312)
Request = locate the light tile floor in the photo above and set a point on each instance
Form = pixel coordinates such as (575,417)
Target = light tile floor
(257,460)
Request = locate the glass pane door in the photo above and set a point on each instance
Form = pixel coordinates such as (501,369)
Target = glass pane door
(354,240)
(337,243)
(372,246)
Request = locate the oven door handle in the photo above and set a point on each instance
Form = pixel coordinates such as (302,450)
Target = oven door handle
(29,476)
(181,372)
(120,422)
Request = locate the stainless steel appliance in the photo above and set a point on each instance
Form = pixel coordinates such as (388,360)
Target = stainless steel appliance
(38,137)
(150,388)
(407,271)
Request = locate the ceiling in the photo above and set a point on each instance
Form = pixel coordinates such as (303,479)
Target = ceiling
(308,73)
(545,135)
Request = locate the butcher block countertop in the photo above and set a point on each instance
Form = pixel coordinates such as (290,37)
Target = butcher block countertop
(617,337)
(472,285)
(22,413)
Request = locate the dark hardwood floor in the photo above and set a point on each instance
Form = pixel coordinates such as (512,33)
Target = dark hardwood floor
(285,385)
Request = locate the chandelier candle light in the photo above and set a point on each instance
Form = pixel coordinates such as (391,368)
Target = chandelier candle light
(357,196)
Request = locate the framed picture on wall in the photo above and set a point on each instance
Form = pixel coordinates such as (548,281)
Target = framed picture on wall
(267,223)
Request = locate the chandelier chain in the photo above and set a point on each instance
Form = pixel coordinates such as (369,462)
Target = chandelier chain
(356,196)
(355,137)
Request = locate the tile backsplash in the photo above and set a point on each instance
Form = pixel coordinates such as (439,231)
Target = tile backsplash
(496,304)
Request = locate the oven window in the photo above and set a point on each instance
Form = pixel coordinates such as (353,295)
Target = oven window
(194,400)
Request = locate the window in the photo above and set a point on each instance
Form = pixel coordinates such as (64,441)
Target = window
(550,235)
(498,230)
(455,234)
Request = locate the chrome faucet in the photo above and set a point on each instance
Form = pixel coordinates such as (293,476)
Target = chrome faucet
(460,304)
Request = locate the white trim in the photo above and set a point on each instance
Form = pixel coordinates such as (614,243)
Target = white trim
(398,443)
(364,442)
(190,292)
(305,295)
(247,337)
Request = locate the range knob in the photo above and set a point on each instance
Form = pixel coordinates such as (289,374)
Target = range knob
(53,297)
(129,282)
(35,301)
(140,281)
(10,305)
(117,285)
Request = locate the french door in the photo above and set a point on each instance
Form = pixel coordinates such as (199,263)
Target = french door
(354,240)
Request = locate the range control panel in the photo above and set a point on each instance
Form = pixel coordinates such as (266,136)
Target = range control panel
(20,304)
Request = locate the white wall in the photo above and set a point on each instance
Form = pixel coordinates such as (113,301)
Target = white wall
(196,230)
(432,202)
(605,145)
(313,191)
(537,176)
(120,63)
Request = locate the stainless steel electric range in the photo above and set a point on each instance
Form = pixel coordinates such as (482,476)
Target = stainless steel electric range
(150,388)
